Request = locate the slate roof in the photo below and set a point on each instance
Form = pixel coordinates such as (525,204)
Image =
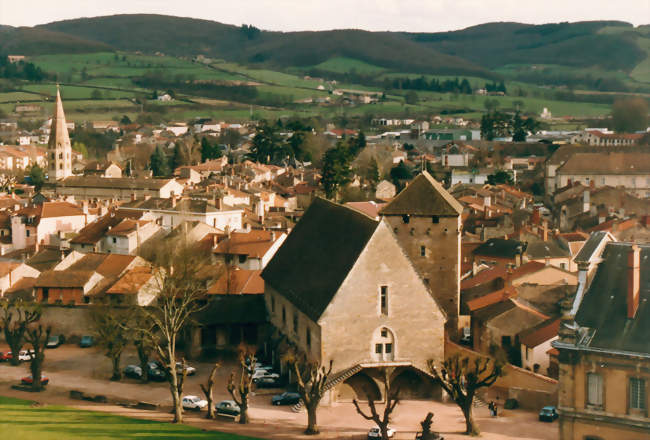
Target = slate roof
(423,196)
(604,306)
(313,261)
(590,246)
(112,182)
(234,309)
(500,247)
(537,249)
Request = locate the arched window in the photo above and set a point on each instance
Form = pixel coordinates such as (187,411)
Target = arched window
(383,345)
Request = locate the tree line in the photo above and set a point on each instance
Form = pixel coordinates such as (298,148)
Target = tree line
(21,70)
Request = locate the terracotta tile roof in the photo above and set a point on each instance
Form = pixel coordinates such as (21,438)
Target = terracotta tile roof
(540,333)
(255,243)
(491,299)
(371,209)
(242,282)
(488,275)
(7,266)
(64,278)
(126,227)
(60,209)
(25,283)
(132,281)
(574,236)
(94,231)
(114,264)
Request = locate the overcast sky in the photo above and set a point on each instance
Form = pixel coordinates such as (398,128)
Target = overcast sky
(290,15)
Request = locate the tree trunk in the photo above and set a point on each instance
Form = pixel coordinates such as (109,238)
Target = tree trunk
(144,361)
(210,400)
(36,368)
(470,427)
(243,413)
(15,345)
(312,424)
(383,428)
(117,374)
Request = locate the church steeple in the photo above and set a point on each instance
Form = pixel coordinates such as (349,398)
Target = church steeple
(59,150)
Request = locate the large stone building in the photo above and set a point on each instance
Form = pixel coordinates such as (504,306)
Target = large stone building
(59,149)
(342,289)
(604,350)
(425,218)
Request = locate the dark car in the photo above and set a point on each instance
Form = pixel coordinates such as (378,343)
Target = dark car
(27,380)
(268,382)
(227,407)
(286,398)
(86,341)
(55,341)
(156,372)
(548,414)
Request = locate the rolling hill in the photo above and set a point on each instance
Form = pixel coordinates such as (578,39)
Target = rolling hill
(37,41)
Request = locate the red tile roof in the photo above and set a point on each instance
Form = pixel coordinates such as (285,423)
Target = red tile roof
(540,333)
(132,281)
(242,282)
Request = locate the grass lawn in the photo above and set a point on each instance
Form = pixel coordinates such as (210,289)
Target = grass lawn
(20,421)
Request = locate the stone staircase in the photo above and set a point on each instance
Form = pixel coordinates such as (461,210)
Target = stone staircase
(332,381)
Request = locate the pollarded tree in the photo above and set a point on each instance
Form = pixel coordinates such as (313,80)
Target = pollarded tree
(240,389)
(15,316)
(110,327)
(311,379)
(391,395)
(37,337)
(461,376)
(207,390)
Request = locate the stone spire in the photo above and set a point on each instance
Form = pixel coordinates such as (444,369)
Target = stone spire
(58,146)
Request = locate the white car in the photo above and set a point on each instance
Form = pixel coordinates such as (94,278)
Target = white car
(258,374)
(193,402)
(190,371)
(376,433)
(24,355)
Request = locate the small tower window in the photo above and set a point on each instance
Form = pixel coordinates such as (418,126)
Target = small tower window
(60,155)
(423,251)
(383,300)
(435,219)
(406,218)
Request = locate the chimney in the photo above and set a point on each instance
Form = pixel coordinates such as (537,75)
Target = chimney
(215,240)
(545,230)
(633,276)
(173,200)
(483,234)
(586,201)
(134,196)
(592,184)
(534,219)
(84,207)
(217,203)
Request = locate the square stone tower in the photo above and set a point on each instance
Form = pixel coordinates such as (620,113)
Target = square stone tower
(59,150)
(426,220)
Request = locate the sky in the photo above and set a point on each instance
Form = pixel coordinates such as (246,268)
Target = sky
(375,15)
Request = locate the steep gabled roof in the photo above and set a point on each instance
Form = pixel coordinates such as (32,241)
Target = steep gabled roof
(423,196)
(317,256)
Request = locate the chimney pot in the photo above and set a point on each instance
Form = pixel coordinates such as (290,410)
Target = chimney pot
(633,281)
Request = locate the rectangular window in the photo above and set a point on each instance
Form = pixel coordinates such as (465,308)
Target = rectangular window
(389,348)
(594,389)
(27,232)
(114,239)
(384,333)
(242,258)
(637,393)
(423,251)
(378,348)
(383,299)
(435,219)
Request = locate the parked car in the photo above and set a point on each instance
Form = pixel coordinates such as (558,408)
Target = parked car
(286,398)
(133,371)
(190,371)
(268,382)
(376,433)
(548,414)
(227,407)
(5,356)
(24,355)
(27,380)
(156,374)
(258,374)
(55,341)
(86,341)
(193,402)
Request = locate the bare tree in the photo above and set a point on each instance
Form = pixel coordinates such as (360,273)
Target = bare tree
(15,316)
(37,337)
(180,294)
(427,433)
(311,379)
(392,399)
(207,390)
(140,325)
(240,389)
(461,376)
(110,327)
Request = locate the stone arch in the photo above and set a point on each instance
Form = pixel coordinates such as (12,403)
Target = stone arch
(357,387)
(414,385)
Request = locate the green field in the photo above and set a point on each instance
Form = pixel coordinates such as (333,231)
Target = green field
(19,420)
